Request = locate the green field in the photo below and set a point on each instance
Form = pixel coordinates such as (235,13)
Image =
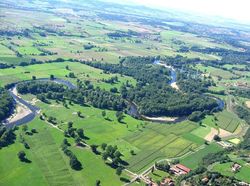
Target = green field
(202,131)
(192,161)
(215,72)
(161,141)
(225,169)
(54,34)
(158,175)
(150,141)
(49,165)
(227,121)
(83,72)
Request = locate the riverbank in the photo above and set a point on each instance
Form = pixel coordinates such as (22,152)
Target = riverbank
(25,112)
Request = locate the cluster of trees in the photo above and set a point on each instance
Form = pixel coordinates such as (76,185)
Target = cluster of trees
(38,87)
(245,93)
(74,162)
(164,166)
(85,93)
(22,157)
(97,97)
(88,46)
(4,65)
(166,101)
(6,104)
(243,113)
(212,178)
(115,155)
(111,80)
(152,93)
(196,116)
(120,34)
(246,143)
(211,158)
(77,134)
(7,136)
(24,142)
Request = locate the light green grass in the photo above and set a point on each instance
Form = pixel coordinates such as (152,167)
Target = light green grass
(83,72)
(192,161)
(161,141)
(227,121)
(158,175)
(216,72)
(202,131)
(235,141)
(225,169)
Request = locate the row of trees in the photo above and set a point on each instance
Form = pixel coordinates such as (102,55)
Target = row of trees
(83,94)
(74,162)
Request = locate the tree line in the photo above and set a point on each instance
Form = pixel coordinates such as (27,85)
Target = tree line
(6,104)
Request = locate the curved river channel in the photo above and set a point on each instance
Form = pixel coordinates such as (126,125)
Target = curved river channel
(33,110)
(133,110)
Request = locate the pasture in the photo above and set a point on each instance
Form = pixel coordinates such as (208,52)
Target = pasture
(225,169)
(215,72)
(83,72)
(66,39)
(49,165)
(192,161)
(149,141)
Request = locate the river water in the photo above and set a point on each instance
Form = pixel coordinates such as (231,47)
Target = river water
(33,109)
(133,110)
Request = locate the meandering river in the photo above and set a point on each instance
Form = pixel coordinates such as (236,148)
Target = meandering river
(133,110)
(31,110)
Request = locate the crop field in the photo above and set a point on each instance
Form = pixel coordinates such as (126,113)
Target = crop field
(96,127)
(227,121)
(202,131)
(161,141)
(149,141)
(191,39)
(79,33)
(5,52)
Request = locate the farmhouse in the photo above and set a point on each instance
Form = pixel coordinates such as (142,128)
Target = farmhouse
(180,169)
(225,144)
(167,181)
(236,167)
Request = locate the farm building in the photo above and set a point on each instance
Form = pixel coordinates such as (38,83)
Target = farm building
(180,169)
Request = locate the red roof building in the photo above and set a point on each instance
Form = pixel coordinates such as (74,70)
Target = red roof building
(182,167)
(179,169)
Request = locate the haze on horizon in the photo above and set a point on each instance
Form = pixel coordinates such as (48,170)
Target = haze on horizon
(233,9)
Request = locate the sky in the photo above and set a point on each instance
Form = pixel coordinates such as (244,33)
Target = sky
(234,9)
